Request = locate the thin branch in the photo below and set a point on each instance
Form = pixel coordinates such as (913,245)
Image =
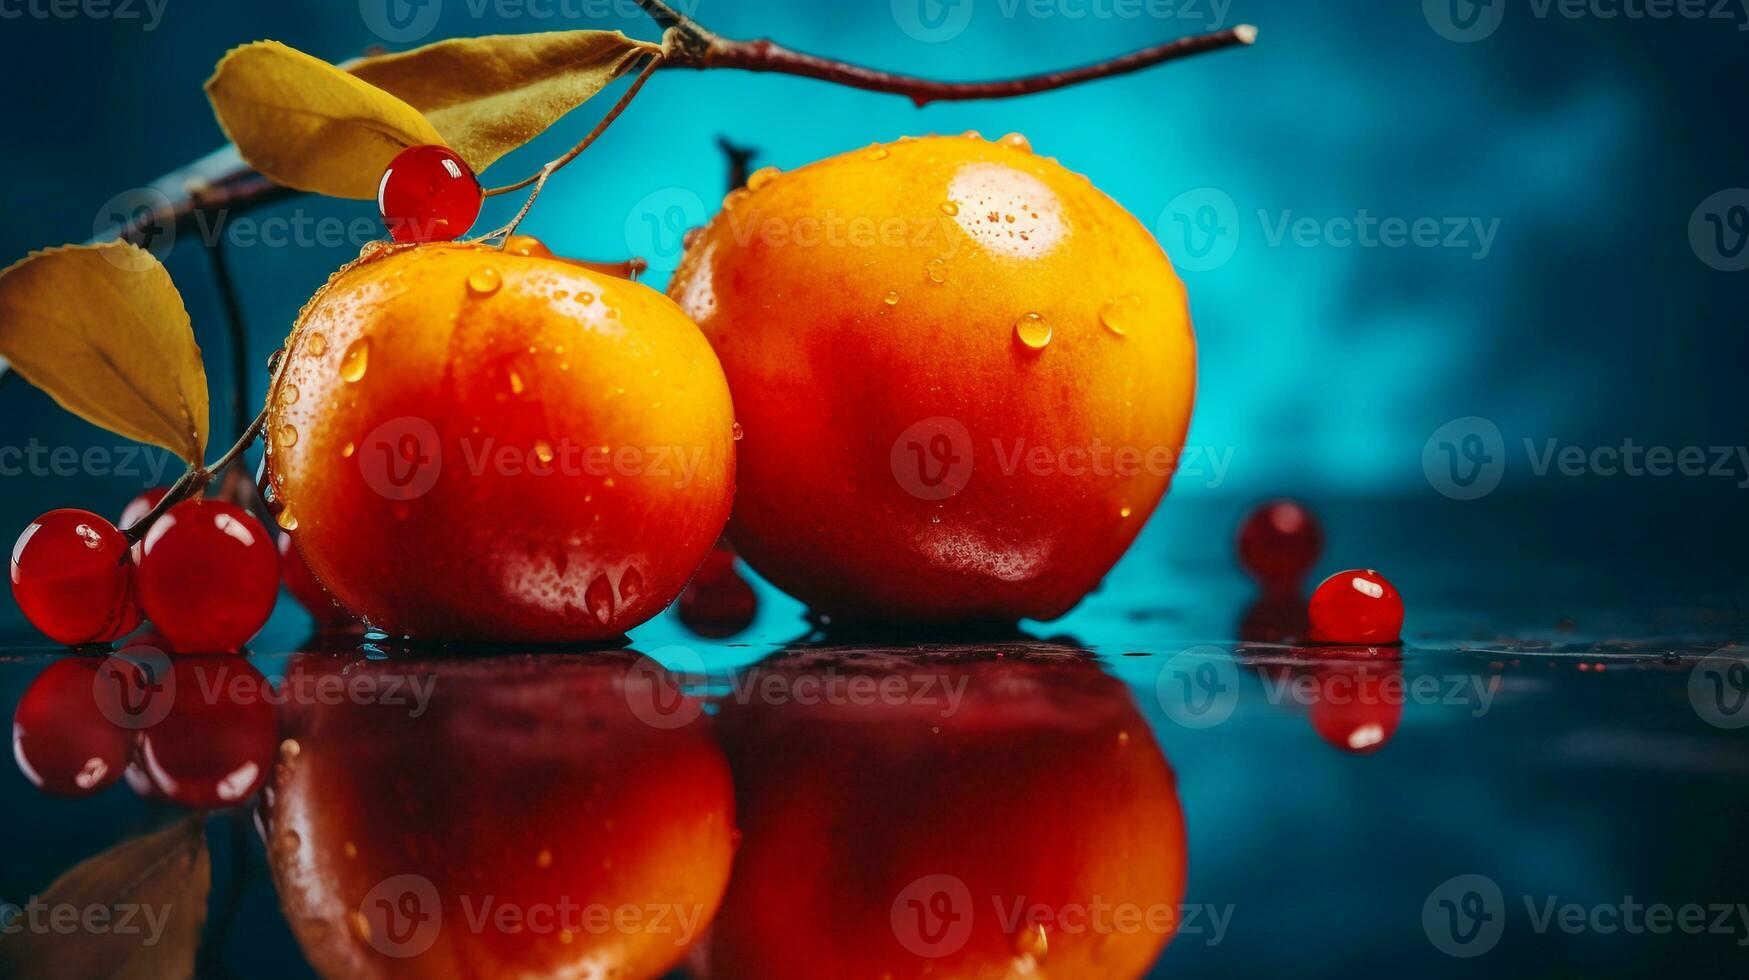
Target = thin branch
(233,307)
(195,480)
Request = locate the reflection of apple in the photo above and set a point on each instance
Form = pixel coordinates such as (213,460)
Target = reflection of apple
(1029,824)
(516,819)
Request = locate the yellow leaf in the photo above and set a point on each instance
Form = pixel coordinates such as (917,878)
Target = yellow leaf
(490,95)
(103,330)
(306,124)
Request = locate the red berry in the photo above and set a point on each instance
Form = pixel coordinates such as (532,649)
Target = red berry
(216,745)
(309,593)
(141,506)
(72,578)
(64,743)
(1279,542)
(208,576)
(1356,606)
(718,602)
(428,195)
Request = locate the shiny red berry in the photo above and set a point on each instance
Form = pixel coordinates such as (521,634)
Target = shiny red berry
(718,602)
(208,576)
(215,747)
(309,593)
(64,743)
(1358,606)
(72,578)
(1279,543)
(428,195)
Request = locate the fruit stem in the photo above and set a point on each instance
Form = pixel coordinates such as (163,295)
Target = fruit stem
(195,480)
(540,177)
(699,48)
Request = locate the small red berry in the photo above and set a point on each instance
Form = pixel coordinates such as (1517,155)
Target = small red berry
(141,506)
(309,593)
(1279,542)
(208,576)
(72,578)
(215,747)
(428,195)
(718,602)
(1358,606)
(64,743)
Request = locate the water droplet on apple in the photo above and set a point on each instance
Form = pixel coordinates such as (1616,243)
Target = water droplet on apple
(1033,330)
(356,360)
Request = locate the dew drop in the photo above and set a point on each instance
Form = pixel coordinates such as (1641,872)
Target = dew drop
(585,298)
(485,280)
(515,383)
(286,435)
(631,585)
(1120,314)
(759,178)
(949,208)
(317,346)
(287,519)
(347,450)
(543,451)
(1124,511)
(877,153)
(735,431)
(1033,330)
(289,395)
(937,269)
(599,598)
(1016,141)
(972,134)
(356,360)
(892,298)
(1032,941)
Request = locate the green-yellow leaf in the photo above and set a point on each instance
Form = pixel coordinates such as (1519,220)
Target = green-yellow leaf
(490,95)
(308,125)
(102,329)
(140,907)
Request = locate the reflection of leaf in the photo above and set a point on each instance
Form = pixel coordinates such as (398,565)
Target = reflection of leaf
(159,883)
(490,95)
(306,124)
(103,330)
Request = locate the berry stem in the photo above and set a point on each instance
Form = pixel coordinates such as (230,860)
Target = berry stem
(195,480)
(540,177)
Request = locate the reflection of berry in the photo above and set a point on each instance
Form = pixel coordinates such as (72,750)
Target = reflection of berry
(1279,542)
(309,593)
(215,747)
(72,578)
(208,576)
(1356,710)
(64,744)
(428,195)
(1356,606)
(718,602)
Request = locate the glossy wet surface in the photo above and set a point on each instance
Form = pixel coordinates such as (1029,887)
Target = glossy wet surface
(1549,776)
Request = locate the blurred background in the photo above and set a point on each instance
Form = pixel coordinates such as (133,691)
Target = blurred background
(1426,242)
